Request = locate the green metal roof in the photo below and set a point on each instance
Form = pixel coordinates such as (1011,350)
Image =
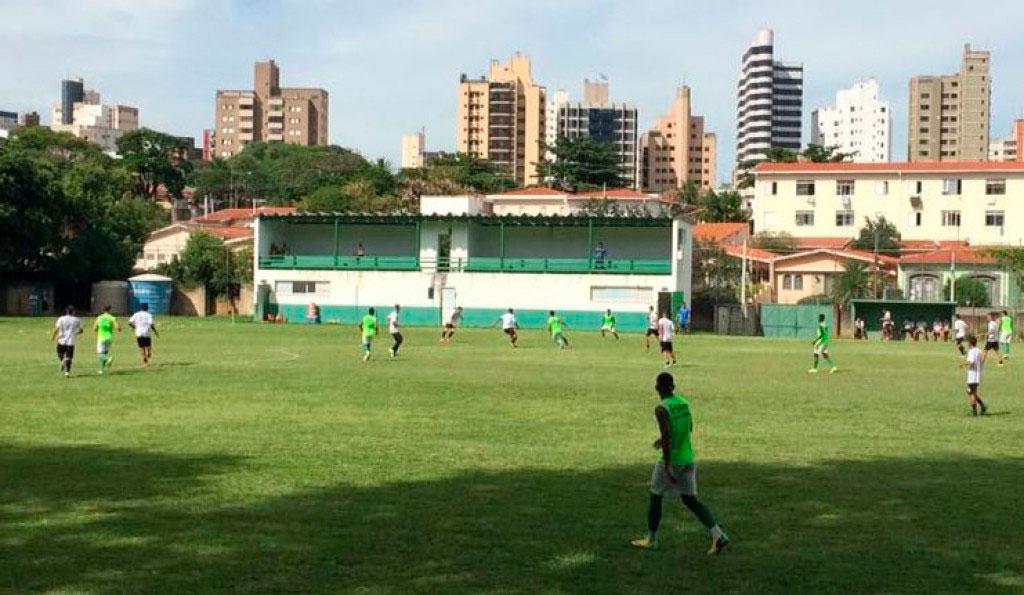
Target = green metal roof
(513,220)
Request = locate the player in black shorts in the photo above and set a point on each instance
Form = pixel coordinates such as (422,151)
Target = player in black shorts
(652,328)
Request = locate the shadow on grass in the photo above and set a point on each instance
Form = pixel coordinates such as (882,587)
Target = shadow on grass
(114,521)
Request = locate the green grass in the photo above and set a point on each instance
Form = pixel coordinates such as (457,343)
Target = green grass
(270,458)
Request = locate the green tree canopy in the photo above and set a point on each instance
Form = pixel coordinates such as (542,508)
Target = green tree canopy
(1012,260)
(156,158)
(207,262)
(853,283)
(581,163)
(888,237)
(722,207)
(969,291)
(782,242)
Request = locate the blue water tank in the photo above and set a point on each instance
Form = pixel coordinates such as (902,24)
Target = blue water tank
(154,290)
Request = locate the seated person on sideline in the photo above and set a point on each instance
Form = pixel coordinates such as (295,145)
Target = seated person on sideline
(859,332)
(313,313)
(359,251)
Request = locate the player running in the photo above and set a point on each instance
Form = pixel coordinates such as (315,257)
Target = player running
(368,328)
(395,328)
(142,322)
(608,324)
(652,328)
(821,345)
(66,330)
(992,337)
(974,362)
(449,327)
(959,333)
(509,326)
(677,469)
(1005,335)
(666,329)
(104,328)
(555,326)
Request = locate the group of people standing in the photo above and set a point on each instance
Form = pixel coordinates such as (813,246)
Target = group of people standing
(69,327)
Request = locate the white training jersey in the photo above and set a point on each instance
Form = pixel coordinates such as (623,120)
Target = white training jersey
(455,318)
(974,363)
(143,323)
(993,331)
(68,328)
(508,320)
(960,329)
(652,320)
(666,329)
(393,325)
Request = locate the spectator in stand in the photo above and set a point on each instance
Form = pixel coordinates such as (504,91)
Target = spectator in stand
(908,329)
(359,252)
(600,255)
(921,331)
(887,326)
(936,330)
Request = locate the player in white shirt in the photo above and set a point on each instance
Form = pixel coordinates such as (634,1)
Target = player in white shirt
(959,333)
(395,328)
(509,326)
(666,330)
(449,327)
(974,362)
(652,328)
(142,322)
(992,335)
(65,332)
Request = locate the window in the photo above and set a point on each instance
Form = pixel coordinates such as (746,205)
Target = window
(882,187)
(952,186)
(787,281)
(951,218)
(924,288)
(844,218)
(805,187)
(844,187)
(995,187)
(994,218)
(805,218)
(302,287)
(775,188)
(793,282)
(915,187)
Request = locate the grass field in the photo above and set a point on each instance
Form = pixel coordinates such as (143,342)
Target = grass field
(270,458)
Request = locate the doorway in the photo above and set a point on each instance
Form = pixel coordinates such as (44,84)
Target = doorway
(444,251)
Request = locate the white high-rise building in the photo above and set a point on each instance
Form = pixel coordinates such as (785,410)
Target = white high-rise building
(557,100)
(859,124)
(413,147)
(769,110)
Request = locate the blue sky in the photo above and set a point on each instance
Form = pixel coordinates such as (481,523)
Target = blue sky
(391,67)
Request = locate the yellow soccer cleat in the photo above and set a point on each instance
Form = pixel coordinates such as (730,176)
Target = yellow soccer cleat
(645,543)
(812,371)
(717,545)
(834,370)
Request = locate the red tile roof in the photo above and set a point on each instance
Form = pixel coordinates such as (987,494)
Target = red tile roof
(833,243)
(752,253)
(718,231)
(898,166)
(863,255)
(225,215)
(229,233)
(534,191)
(618,193)
(963,255)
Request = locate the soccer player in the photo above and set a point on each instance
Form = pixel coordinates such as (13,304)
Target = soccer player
(652,328)
(666,329)
(449,327)
(974,361)
(142,322)
(104,328)
(368,328)
(677,469)
(66,330)
(395,328)
(1005,335)
(608,324)
(509,326)
(992,336)
(555,326)
(821,344)
(684,318)
(959,333)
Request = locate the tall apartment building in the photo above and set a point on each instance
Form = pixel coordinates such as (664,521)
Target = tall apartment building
(859,124)
(501,118)
(678,149)
(269,113)
(597,118)
(950,114)
(769,109)
(554,101)
(28,119)
(1010,148)
(413,147)
(81,113)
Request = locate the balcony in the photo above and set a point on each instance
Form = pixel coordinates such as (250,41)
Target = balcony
(275,137)
(245,113)
(276,114)
(275,125)
(471,265)
(245,136)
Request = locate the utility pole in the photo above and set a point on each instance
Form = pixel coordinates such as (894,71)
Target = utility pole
(743,279)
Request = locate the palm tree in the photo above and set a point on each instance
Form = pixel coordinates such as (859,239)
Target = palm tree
(853,283)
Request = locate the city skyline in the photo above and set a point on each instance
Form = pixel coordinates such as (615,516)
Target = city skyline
(362,54)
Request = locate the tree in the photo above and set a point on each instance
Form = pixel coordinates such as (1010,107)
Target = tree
(716,275)
(1011,260)
(782,242)
(813,153)
(155,159)
(207,262)
(881,231)
(853,283)
(969,291)
(824,154)
(581,163)
(722,207)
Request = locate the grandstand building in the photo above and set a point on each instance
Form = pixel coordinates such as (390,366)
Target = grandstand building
(533,250)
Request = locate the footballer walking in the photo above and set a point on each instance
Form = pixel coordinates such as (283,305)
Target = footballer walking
(509,326)
(395,328)
(821,345)
(368,328)
(666,331)
(974,362)
(652,328)
(449,327)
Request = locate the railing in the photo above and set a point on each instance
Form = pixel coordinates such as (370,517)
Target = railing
(624,266)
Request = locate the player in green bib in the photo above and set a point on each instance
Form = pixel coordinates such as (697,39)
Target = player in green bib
(555,325)
(821,344)
(1005,336)
(676,471)
(104,328)
(608,325)
(368,328)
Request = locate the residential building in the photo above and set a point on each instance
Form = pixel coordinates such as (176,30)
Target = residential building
(209,143)
(678,149)
(769,110)
(925,277)
(949,114)
(413,147)
(722,234)
(501,118)
(81,113)
(28,119)
(972,201)
(460,251)
(8,120)
(269,113)
(1010,148)
(812,273)
(597,118)
(859,124)
(554,102)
